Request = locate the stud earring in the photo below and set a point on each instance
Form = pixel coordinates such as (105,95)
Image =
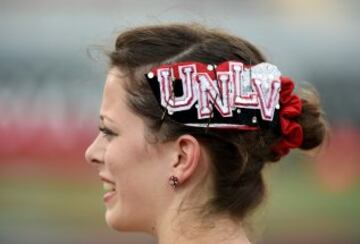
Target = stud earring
(173,181)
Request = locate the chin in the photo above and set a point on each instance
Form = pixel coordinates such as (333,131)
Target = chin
(120,223)
(112,220)
(116,221)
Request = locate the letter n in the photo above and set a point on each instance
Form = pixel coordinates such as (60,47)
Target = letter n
(209,94)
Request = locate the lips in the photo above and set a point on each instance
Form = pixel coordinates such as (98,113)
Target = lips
(109,188)
(103,178)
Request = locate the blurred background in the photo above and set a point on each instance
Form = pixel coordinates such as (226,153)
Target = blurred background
(51,79)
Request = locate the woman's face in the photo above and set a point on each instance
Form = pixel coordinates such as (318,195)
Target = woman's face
(137,172)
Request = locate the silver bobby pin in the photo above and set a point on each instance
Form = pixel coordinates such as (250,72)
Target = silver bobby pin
(211,115)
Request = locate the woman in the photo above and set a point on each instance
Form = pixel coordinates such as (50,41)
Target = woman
(189,118)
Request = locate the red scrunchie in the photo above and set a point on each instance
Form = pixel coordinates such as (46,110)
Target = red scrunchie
(290,108)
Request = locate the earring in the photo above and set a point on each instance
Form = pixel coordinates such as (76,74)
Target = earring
(173,181)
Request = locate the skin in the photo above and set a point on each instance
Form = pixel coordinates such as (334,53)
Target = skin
(144,200)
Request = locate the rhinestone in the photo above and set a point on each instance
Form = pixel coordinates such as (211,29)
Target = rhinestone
(238,110)
(254,119)
(210,67)
(237,68)
(150,75)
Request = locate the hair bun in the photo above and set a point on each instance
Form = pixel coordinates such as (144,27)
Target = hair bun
(312,120)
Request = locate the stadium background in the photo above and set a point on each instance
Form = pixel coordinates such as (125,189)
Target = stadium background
(51,77)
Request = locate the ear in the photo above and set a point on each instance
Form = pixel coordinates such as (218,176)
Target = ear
(188,156)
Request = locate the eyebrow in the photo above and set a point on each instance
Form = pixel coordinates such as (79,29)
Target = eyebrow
(103,117)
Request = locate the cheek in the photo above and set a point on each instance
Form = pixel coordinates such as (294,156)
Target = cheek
(133,169)
(121,157)
(128,164)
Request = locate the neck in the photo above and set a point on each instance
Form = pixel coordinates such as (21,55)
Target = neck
(189,230)
(184,226)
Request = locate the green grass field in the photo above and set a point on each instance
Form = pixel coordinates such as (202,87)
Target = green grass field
(38,207)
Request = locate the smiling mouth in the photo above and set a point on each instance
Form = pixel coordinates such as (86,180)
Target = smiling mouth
(109,191)
(108,187)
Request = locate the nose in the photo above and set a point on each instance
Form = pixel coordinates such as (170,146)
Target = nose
(95,152)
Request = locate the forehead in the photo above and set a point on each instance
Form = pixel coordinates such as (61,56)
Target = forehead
(113,103)
(113,88)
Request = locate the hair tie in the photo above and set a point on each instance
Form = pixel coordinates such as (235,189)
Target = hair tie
(290,109)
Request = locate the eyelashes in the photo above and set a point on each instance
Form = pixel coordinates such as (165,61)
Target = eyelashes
(107,132)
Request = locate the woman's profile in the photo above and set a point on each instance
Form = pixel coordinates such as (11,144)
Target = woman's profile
(189,118)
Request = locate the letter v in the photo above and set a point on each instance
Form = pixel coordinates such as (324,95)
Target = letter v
(268,95)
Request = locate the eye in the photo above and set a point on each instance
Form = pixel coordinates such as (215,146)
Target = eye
(107,132)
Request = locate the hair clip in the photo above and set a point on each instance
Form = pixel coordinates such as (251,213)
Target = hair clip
(215,93)
(211,116)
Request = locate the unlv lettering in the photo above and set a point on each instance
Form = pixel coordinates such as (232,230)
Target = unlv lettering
(234,86)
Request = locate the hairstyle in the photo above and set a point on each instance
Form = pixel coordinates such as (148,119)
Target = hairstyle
(237,157)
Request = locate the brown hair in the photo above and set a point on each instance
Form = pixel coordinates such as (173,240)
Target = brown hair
(237,156)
